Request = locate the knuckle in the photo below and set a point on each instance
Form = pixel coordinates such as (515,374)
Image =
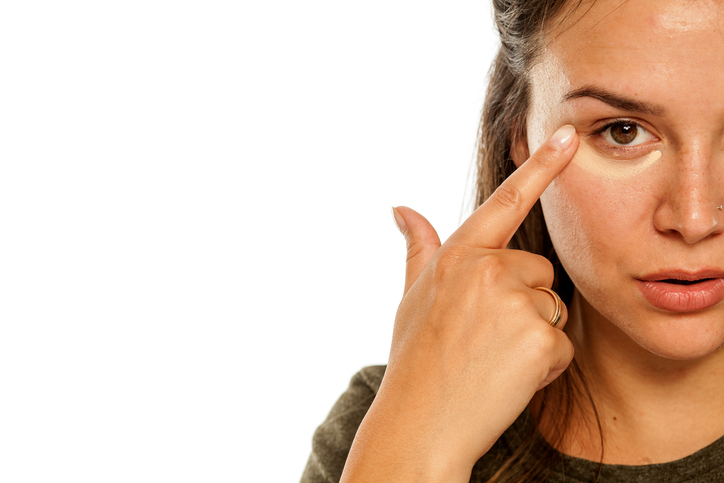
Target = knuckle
(549,271)
(545,267)
(492,269)
(540,342)
(537,264)
(444,264)
(570,351)
(518,302)
(508,197)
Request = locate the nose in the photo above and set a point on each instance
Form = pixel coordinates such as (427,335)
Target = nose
(690,208)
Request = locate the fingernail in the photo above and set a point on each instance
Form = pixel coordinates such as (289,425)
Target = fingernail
(563,137)
(399,221)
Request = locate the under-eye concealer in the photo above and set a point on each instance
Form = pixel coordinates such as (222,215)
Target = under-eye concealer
(589,159)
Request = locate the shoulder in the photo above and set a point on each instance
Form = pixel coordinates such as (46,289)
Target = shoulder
(333,438)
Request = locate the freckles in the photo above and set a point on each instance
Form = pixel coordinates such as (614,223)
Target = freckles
(621,193)
(597,211)
(589,219)
(594,209)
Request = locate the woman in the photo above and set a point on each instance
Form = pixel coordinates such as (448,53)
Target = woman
(612,113)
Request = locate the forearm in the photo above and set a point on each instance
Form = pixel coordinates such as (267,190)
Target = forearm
(395,445)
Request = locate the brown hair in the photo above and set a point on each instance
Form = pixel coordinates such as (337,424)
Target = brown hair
(523,26)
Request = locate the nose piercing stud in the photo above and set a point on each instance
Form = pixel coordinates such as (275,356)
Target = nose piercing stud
(720,207)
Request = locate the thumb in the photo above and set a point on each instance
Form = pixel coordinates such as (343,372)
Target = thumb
(422,242)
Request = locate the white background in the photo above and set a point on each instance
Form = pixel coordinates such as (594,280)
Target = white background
(196,245)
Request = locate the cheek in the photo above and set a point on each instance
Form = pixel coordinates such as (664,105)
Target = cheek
(597,225)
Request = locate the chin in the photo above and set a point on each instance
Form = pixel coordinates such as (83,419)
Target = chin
(684,337)
(632,327)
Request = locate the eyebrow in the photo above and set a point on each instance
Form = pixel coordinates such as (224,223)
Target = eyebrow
(614,100)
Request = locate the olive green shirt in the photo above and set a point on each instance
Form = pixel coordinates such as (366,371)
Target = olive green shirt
(333,439)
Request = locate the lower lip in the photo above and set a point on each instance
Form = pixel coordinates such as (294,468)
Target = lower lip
(683,298)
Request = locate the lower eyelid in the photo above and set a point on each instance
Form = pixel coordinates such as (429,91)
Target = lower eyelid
(620,152)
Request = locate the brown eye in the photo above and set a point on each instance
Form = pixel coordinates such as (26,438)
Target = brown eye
(624,133)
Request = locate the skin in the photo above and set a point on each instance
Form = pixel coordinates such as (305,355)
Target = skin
(472,344)
(598,164)
(656,374)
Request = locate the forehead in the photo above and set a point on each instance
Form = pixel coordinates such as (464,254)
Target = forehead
(662,49)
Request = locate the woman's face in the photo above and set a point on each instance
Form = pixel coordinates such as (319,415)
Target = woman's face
(643,83)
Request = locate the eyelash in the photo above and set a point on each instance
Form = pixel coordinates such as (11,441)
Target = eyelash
(598,133)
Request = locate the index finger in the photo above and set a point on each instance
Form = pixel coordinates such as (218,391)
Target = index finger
(494,223)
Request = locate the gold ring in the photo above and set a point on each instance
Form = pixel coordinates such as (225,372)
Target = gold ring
(559,305)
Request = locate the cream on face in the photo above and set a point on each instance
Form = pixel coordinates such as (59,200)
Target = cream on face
(613,219)
(595,163)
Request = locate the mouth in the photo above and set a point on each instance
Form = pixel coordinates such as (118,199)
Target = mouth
(681,291)
(684,282)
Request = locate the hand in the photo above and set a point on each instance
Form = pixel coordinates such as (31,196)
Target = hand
(471,343)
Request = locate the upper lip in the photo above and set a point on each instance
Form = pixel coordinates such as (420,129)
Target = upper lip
(682,274)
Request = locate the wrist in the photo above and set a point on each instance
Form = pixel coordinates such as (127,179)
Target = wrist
(395,445)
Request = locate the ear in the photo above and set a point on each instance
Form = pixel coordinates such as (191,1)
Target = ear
(519,151)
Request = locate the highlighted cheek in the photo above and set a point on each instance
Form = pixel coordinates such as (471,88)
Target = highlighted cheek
(593,162)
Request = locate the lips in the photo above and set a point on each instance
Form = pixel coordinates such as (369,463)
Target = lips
(683,291)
